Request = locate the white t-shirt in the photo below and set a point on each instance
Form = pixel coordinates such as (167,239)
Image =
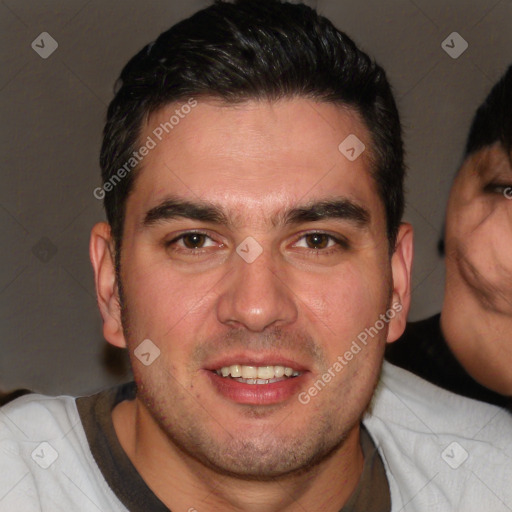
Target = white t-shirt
(442,452)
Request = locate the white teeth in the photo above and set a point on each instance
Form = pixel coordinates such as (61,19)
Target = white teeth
(258,374)
(249,372)
(235,370)
(265,372)
(278,371)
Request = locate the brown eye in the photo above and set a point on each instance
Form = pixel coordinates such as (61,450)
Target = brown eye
(317,240)
(192,243)
(193,240)
(321,244)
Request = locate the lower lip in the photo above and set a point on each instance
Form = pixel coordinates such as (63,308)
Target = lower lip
(256,394)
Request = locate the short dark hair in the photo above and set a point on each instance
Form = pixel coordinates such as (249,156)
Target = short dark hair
(493,119)
(253,49)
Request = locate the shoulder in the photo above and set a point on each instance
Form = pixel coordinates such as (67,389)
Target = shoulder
(442,451)
(45,460)
(29,429)
(49,411)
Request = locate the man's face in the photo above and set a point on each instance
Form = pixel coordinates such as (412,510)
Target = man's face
(271,278)
(479,229)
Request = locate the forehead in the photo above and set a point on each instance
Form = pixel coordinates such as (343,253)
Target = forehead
(255,158)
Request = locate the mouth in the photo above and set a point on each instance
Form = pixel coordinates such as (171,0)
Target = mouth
(257,375)
(257,384)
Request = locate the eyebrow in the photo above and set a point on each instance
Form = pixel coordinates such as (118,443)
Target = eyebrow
(340,208)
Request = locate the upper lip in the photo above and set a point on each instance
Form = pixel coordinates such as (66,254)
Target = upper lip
(260,359)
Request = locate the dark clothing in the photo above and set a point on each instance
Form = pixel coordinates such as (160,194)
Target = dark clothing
(5,398)
(422,350)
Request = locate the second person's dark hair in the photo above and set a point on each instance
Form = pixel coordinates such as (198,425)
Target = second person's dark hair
(493,119)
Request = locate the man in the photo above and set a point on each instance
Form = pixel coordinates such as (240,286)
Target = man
(254,265)
(467,348)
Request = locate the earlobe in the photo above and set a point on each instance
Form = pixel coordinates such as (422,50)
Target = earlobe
(401,266)
(101,254)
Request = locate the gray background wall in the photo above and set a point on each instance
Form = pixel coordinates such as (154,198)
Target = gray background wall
(53,110)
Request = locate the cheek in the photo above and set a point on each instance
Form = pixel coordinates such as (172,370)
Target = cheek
(335,306)
(344,303)
(164,304)
(463,219)
(487,246)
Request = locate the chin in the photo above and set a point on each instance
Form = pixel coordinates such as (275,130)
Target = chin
(249,460)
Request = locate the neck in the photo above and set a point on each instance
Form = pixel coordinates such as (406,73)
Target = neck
(184,483)
(479,337)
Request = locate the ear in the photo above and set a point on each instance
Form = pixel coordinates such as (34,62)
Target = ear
(401,266)
(101,252)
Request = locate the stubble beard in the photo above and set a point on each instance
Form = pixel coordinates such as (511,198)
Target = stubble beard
(276,454)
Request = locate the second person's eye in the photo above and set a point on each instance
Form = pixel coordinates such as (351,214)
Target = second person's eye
(499,188)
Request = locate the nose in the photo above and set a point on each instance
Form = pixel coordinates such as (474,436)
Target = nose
(256,295)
